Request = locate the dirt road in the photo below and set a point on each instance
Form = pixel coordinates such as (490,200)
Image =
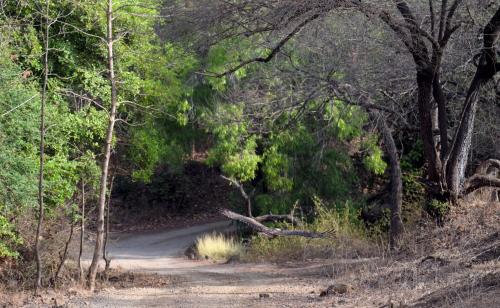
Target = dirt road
(199,283)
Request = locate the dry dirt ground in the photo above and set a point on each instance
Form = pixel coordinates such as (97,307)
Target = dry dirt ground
(457,265)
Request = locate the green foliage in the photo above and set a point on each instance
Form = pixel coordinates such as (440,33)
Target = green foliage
(8,239)
(235,148)
(18,144)
(276,167)
(373,158)
(438,209)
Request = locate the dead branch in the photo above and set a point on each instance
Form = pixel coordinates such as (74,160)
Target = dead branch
(279,218)
(478,181)
(487,166)
(247,197)
(272,232)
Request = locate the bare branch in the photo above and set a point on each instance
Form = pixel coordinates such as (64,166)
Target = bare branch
(478,181)
(272,232)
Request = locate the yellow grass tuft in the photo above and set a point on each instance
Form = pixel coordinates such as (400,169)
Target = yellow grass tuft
(218,247)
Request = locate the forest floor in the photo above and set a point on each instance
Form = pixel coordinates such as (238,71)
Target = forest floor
(457,265)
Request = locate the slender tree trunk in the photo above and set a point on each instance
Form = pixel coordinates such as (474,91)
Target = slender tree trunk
(38,282)
(65,253)
(442,116)
(107,153)
(396,226)
(82,235)
(106,235)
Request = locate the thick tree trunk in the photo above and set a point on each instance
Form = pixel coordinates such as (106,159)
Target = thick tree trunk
(457,163)
(99,244)
(424,82)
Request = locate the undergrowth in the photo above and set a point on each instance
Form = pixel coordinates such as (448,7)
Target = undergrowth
(350,238)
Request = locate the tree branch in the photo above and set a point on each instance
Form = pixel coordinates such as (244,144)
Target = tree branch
(272,232)
(272,54)
(278,218)
(478,181)
(243,193)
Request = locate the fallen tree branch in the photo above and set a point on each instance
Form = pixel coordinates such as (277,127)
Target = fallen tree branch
(278,218)
(478,181)
(272,232)
(488,166)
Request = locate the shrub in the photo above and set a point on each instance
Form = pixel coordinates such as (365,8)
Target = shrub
(218,247)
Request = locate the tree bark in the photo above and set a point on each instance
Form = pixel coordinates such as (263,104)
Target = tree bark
(456,163)
(440,99)
(424,83)
(106,235)
(82,235)
(396,227)
(38,281)
(65,253)
(98,250)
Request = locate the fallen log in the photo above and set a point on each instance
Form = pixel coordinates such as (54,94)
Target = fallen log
(272,232)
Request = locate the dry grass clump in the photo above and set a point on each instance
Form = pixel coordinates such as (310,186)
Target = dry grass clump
(218,247)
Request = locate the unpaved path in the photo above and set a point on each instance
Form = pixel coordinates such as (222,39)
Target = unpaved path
(202,283)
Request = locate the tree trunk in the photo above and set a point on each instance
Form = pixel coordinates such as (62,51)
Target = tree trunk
(65,253)
(106,235)
(440,99)
(82,235)
(98,250)
(38,282)
(424,82)
(396,227)
(456,163)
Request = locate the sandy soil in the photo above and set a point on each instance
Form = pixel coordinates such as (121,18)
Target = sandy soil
(203,283)
(457,265)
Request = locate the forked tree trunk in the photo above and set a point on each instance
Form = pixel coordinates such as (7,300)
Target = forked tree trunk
(99,243)
(38,281)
